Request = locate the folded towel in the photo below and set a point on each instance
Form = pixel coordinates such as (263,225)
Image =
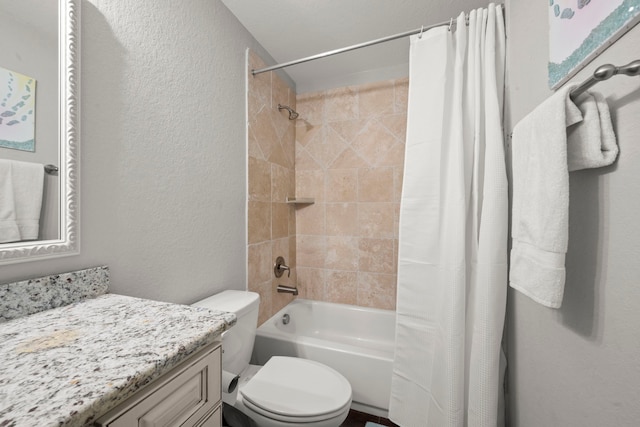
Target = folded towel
(21,198)
(592,142)
(541,158)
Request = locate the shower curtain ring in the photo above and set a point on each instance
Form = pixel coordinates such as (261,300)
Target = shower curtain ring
(421,30)
(450,24)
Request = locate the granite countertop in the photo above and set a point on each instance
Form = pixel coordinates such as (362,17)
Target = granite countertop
(69,365)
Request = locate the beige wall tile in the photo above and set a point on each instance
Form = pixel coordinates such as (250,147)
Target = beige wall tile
(304,160)
(376,220)
(342,253)
(349,159)
(377,290)
(349,156)
(279,156)
(259,180)
(310,106)
(375,184)
(341,104)
(401,95)
(341,287)
(374,142)
(376,256)
(377,99)
(265,132)
(394,157)
(264,291)
(260,264)
(310,219)
(259,222)
(254,149)
(310,251)
(271,179)
(326,151)
(310,183)
(342,219)
(341,185)
(396,124)
(311,283)
(349,129)
(280,182)
(306,133)
(279,220)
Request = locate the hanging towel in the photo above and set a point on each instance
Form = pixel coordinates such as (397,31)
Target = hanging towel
(8,227)
(21,198)
(542,157)
(591,143)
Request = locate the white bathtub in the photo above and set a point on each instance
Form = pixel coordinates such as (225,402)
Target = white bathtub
(355,341)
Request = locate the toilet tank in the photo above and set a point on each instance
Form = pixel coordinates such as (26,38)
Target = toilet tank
(237,342)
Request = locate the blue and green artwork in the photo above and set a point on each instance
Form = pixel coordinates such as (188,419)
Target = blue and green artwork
(579,30)
(17,110)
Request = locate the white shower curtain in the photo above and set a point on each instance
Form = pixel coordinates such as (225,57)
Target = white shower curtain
(452,262)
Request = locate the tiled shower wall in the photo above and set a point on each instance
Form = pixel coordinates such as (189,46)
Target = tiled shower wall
(346,150)
(349,157)
(271,222)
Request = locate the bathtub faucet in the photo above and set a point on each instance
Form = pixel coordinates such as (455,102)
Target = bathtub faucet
(287,289)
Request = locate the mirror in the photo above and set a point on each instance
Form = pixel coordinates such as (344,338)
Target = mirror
(55,23)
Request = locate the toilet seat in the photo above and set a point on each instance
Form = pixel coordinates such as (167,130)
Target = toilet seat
(295,390)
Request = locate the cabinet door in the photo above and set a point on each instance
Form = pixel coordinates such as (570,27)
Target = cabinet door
(213,420)
(180,398)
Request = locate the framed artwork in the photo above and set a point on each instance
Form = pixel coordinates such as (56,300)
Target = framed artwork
(17,110)
(579,30)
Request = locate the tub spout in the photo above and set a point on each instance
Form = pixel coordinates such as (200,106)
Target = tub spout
(287,289)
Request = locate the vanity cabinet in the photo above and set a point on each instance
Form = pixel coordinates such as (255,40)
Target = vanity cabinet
(189,395)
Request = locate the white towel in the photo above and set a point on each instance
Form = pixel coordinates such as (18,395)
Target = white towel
(591,143)
(542,158)
(8,227)
(21,198)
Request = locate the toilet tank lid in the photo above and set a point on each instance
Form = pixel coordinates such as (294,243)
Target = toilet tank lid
(238,302)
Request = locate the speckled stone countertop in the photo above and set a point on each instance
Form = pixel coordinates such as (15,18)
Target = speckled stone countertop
(69,365)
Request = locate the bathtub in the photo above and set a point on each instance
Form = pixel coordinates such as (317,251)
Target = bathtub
(355,341)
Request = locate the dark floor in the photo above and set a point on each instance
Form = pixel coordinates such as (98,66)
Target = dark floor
(359,419)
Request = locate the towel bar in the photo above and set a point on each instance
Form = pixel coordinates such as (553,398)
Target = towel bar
(51,169)
(605,72)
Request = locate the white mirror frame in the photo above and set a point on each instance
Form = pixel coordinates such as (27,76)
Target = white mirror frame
(68,242)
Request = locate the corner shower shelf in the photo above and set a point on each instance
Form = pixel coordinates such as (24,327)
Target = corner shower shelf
(301,201)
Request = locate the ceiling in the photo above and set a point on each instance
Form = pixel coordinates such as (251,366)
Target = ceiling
(293,29)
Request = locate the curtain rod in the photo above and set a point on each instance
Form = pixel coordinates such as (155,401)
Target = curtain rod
(450,23)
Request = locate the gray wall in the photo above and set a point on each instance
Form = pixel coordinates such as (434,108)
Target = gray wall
(163,149)
(580,365)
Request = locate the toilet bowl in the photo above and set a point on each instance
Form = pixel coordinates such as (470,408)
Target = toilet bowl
(286,391)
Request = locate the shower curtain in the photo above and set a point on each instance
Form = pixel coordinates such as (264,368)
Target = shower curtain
(452,261)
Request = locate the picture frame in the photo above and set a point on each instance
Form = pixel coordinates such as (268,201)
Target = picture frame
(579,30)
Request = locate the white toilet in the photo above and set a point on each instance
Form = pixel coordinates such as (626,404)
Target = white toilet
(286,391)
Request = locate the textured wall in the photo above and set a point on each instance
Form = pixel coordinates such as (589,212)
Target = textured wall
(163,150)
(271,152)
(349,157)
(579,365)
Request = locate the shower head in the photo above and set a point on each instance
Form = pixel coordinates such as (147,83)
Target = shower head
(292,113)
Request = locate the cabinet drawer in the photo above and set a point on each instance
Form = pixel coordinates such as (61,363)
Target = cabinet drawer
(181,397)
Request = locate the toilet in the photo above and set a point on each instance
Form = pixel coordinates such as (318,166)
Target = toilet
(286,391)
